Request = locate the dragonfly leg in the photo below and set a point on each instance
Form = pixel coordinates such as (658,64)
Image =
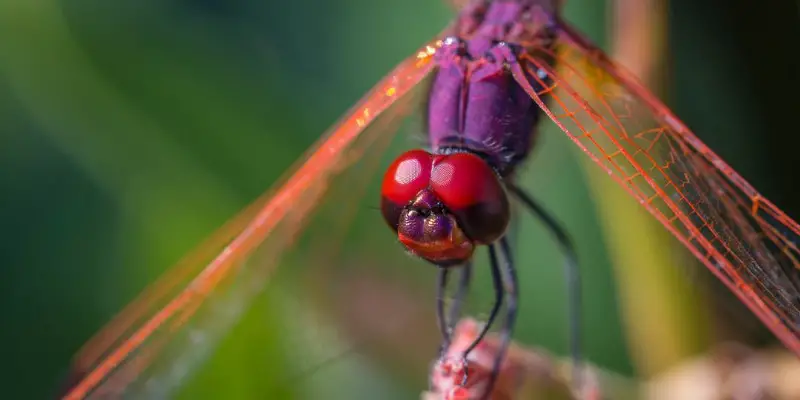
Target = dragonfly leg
(465,277)
(511,287)
(505,281)
(571,271)
(497,281)
(447,320)
(444,324)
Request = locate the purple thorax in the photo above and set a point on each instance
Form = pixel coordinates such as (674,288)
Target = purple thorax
(474,102)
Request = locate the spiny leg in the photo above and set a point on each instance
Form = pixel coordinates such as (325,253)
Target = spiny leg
(571,271)
(464,280)
(448,320)
(444,325)
(511,287)
(497,281)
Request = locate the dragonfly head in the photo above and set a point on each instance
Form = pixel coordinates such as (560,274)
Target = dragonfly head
(442,206)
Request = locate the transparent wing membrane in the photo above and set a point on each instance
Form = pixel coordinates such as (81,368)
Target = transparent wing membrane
(747,242)
(157,343)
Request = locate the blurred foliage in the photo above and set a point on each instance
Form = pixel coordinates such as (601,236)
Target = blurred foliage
(130,130)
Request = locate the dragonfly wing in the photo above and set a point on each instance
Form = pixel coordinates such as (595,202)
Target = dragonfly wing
(155,342)
(747,242)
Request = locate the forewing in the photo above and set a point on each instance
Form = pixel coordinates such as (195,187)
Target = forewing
(152,348)
(747,242)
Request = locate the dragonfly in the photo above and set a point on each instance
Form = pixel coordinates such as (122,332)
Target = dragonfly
(485,83)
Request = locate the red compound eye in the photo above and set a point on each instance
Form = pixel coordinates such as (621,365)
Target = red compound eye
(441,206)
(469,189)
(409,174)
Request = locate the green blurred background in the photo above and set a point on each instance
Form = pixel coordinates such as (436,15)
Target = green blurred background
(132,129)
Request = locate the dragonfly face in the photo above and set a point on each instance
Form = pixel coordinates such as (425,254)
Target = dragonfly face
(442,205)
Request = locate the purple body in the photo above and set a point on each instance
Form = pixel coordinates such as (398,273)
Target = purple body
(481,124)
(474,102)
